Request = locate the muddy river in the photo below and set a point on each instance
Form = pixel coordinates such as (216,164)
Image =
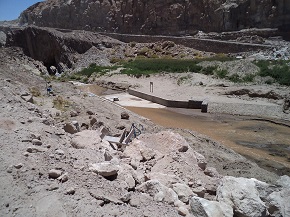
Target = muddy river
(265,142)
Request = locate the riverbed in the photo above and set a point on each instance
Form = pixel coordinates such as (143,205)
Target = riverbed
(265,142)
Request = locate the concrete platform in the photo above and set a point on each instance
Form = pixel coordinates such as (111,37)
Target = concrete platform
(125,99)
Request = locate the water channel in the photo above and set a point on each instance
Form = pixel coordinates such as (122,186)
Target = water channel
(263,141)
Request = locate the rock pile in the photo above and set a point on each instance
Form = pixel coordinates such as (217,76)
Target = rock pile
(166,169)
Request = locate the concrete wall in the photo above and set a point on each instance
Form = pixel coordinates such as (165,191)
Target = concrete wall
(192,104)
(208,45)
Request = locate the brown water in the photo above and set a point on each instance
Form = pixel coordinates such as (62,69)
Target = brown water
(259,140)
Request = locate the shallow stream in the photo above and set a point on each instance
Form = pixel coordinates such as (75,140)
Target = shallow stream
(265,142)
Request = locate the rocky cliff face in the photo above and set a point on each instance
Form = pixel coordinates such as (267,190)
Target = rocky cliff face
(173,17)
(58,48)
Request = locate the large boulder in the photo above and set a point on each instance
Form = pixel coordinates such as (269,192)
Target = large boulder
(133,150)
(167,142)
(242,195)
(183,191)
(205,208)
(86,139)
(279,201)
(105,169)
(165,179)
(186,167)
(128,174)
(158,191)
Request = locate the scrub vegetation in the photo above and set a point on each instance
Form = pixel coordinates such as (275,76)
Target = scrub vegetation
(278,70)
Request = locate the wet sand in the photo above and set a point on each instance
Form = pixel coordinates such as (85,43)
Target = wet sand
(258,140)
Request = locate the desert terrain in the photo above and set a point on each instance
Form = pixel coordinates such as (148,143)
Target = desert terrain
(49,168)
(93,148)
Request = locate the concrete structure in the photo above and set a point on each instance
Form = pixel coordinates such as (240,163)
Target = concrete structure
(190,104)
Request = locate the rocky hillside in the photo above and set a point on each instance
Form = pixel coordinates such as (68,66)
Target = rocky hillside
(159,17)
(61,49)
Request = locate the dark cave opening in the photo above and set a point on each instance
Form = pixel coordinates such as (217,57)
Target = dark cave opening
(50,64)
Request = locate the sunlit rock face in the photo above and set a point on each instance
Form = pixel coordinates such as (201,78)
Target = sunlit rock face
(168,17)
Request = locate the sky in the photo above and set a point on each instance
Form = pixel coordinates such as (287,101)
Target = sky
(11,9)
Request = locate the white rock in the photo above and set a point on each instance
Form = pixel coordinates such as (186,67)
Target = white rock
(205,208)
(279,200)
(108,156)
(183,211)
(147,153)
(133,151)
(86,139)
(167,142)
(179,203)
(63,177)
(70,191)
(140,178)
(183,191)
(212,172)
(105,168)
(164,179)
(135,164)
(138,200)
(153,187)
(159,196)
(73,113)
(130,181)
(284,181)
(126,197)
(200,191)
(201,162)
(242,195)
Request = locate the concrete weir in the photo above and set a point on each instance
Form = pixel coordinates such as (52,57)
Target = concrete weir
(190,104)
